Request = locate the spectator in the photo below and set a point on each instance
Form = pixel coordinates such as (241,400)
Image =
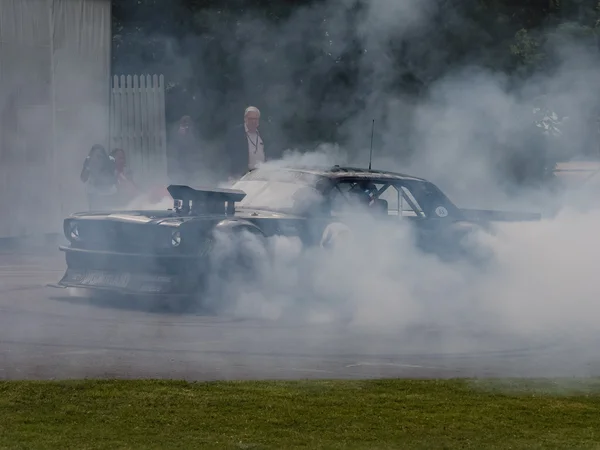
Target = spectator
(99,175)
(244,144)
(126,187)
(186,159)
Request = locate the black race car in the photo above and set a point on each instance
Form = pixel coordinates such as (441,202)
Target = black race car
(174,251)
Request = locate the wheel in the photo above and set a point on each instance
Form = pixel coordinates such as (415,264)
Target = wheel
(336,235)
(237,268)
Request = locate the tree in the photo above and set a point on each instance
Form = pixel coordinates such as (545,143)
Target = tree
(215,62)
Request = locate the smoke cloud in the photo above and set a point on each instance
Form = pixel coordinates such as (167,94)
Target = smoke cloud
(538,278)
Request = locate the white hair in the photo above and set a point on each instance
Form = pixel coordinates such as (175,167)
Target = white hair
(251,109)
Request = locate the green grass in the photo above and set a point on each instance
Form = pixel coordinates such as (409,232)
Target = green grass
(407,414)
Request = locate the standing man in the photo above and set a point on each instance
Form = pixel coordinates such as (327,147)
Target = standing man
(244,145)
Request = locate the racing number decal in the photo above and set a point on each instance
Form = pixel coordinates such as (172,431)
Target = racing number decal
(441,211)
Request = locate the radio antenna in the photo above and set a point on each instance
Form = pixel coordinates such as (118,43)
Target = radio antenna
(371,151)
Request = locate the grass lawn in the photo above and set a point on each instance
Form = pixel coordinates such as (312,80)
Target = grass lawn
(407,414)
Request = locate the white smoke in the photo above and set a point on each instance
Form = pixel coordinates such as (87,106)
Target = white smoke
(539,274)
(538,278)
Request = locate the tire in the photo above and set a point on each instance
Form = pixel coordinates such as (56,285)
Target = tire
(237,267)
(335,235)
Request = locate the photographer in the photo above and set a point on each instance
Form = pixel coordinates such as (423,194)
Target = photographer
(99,175)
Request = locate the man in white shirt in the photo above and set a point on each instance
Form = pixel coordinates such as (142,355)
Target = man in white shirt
(256,147)
(244,145)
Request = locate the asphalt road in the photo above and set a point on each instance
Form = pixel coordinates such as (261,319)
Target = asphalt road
(48,333)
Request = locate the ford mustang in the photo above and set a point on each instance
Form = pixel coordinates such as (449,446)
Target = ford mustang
(174,251)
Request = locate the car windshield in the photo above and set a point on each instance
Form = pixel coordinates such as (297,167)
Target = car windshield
(275,195)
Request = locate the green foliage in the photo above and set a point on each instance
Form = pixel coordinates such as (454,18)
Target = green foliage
(527,49)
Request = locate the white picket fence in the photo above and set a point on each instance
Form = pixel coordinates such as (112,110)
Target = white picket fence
(137,124)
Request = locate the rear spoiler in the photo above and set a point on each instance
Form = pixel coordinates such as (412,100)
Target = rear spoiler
(212,200)
(499,216)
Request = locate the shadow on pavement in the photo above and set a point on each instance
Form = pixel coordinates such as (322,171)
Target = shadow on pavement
(172,306)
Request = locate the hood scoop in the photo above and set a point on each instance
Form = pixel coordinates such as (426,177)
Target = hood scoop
(131,218)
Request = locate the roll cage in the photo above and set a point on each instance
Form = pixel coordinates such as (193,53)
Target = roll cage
(413,198)
(421,198)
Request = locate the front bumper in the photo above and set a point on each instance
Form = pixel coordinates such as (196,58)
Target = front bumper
(132,273)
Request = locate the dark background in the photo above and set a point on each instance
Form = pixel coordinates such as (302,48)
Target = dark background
(220,56)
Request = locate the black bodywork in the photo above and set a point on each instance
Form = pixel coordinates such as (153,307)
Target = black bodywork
(167,252)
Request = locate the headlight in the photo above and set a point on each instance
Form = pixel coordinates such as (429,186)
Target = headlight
(73,231)
(175,238)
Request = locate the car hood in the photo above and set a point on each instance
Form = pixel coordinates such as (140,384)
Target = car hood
(161,217)
(171,219)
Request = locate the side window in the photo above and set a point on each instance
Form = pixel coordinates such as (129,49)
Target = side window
(400,200)
(339,197)
(346,195)
(394,200)
(412,206)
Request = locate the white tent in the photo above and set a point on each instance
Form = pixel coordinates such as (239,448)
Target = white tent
(54,105)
